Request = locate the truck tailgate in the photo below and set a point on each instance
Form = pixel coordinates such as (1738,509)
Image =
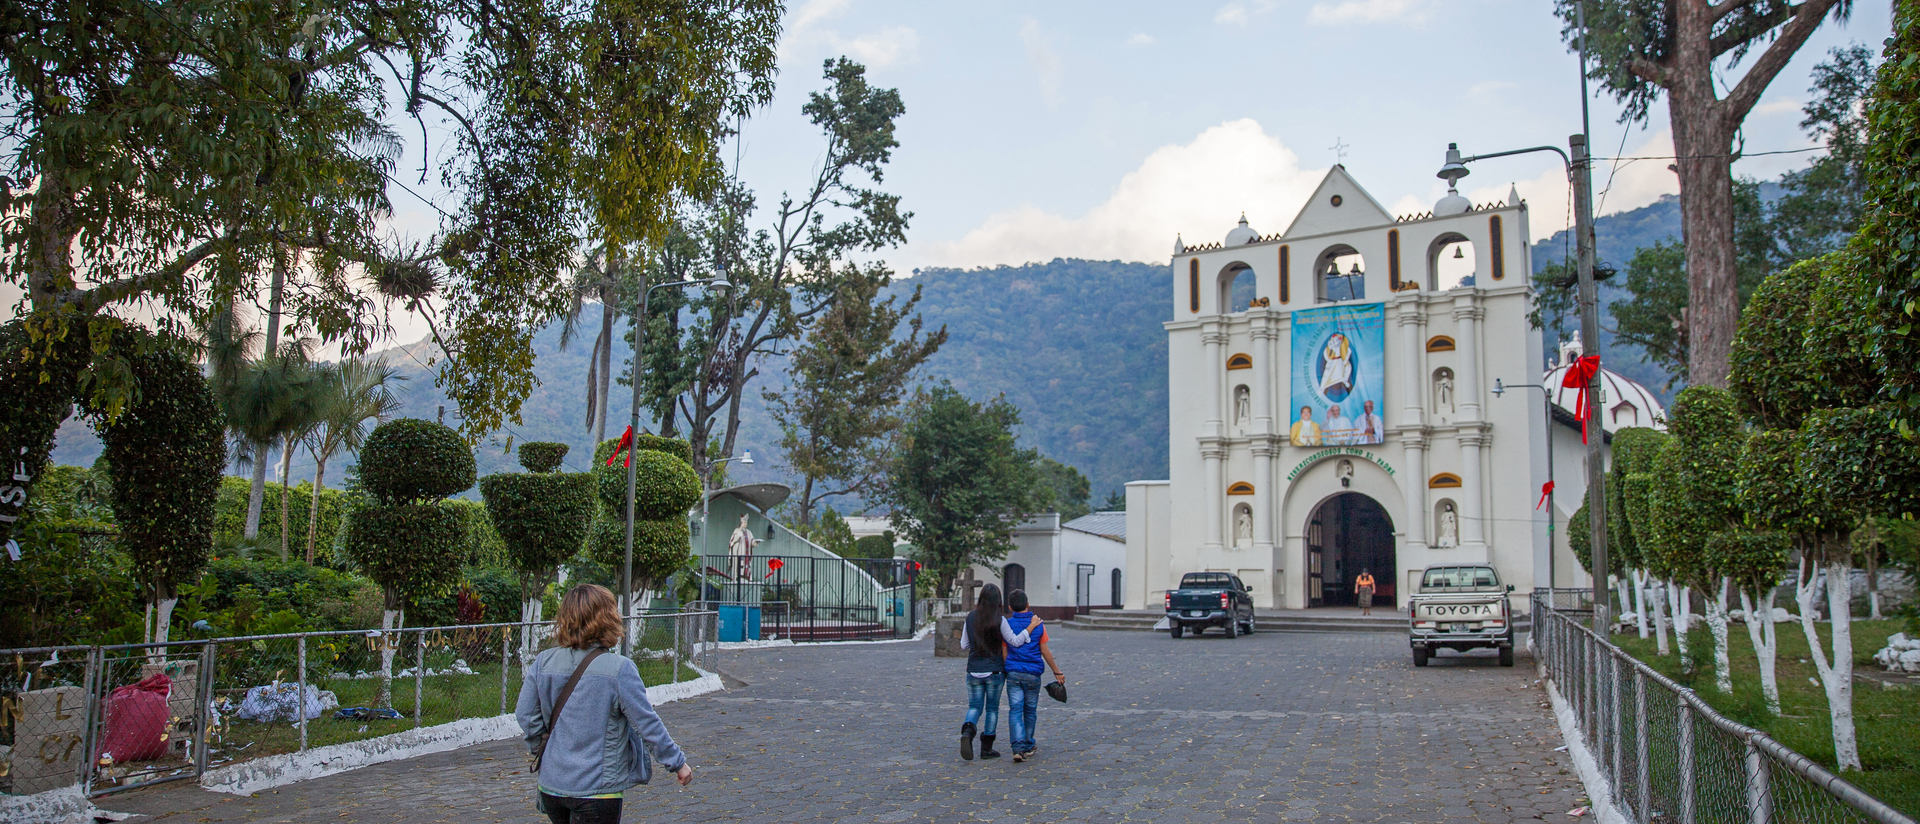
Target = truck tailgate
(1457,608)
(1209,600)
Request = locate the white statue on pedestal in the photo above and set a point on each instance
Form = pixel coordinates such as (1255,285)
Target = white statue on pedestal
(1242,527)
(740,545)
(1449,527)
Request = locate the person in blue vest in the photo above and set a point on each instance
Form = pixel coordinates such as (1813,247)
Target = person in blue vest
(1023,674)
(986,636)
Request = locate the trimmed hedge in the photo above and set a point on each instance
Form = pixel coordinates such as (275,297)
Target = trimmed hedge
(39,394)
(542,518)
(660,548)
(664,486)
(412,550)
(410,460)
(542,456)
(645,443)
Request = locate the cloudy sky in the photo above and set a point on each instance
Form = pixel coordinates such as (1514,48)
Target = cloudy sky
(1101,129)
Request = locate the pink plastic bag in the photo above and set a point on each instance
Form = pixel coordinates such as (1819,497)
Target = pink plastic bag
(137,717)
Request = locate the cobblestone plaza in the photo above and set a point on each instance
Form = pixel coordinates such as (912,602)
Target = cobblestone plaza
(1271,727)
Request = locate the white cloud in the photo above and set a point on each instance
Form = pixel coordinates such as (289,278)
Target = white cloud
(1777,107)
(806,32)
(1199,189)
(1046,62)
(1405,12)
(1141,39)
(1240,12)
(1627,185)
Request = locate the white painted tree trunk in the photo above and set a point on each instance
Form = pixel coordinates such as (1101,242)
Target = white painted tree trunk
(1761,632)
(1717,624)
(530,610)
(1835,675)
(390,620)
(162,610)
(1658,597)
(1682,618)
(1639,579)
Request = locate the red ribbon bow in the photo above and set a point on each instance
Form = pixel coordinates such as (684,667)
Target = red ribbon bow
(1579,376)
(773,566)
(1545,490)
(626,445)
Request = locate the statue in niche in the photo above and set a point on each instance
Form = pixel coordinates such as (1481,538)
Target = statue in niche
(1345,472)
(1443,391)
(1449,533)
(1242,406)
(1242,526)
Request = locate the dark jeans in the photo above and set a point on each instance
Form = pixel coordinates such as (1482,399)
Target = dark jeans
(563,810)
(1023,700)
(983,697)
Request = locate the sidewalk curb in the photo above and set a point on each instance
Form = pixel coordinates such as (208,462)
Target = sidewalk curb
(280,770)
(1599,792)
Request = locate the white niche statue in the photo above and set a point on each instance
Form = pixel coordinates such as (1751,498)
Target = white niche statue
(1449,534)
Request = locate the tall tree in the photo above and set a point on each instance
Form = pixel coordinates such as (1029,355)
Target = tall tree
(1680,49)
(959,482)
(844,388)
(355,391)
(784,278)
(1071,491)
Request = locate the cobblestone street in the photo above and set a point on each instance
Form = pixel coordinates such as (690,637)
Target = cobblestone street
(1263,728)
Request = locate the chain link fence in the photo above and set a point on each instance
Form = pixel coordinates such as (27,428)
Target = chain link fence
(1666,755)
(117,717)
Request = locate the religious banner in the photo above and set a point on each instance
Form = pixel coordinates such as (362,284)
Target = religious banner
(1339,376)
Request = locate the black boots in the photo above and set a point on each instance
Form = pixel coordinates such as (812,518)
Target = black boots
(966,741)
(986,747)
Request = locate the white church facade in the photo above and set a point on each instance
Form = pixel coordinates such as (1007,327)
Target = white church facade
(1333,408)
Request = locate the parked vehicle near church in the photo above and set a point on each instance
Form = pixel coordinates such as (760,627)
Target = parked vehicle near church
(1460,607)
(1210,599)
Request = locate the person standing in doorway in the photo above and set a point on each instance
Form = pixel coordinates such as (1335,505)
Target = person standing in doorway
(586,717)
(1363,591)
(1023,675)
(986,636)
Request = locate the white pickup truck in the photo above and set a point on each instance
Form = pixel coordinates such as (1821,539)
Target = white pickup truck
(1460,607)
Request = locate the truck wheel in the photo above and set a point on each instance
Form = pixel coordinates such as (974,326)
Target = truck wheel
(1233,626)
(1250,621)
(1176,630)
(1420,656)
(1506,656)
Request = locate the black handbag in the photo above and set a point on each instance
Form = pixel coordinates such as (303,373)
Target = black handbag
(1057,691)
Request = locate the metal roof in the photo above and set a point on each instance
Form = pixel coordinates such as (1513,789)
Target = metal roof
(1104,524)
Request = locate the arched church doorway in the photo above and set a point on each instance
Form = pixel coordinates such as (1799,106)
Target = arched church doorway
(1347,534)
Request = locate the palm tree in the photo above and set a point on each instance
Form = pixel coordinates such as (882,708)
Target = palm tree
(268,403)
(598,279)
(355,391)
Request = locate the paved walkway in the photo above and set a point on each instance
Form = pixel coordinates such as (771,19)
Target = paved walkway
(1270,727)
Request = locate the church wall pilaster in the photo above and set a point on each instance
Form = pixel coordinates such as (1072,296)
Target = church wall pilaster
(1213,452)
(1473,521)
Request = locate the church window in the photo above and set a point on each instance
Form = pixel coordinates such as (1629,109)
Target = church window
(1342,275)
(1393,259)
(1440,343)
(1240,488)
(1013,577)
(1286,273)
(1451,262)
(1499,260)
(1193,285)
(1443,480)
(1239,360)
(1238,294)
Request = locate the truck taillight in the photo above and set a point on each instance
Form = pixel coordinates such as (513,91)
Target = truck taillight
(1169,600)
(1223,600)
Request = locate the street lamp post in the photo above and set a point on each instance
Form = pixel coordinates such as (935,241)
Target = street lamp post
(1500,388)
(633,427)
(1580,171)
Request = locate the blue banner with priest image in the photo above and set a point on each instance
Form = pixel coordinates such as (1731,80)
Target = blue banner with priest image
(1339,376)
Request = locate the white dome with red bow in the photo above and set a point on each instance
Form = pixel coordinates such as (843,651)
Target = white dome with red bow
(1626,402)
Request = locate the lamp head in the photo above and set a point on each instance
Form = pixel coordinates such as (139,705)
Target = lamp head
(1499,387)
(1453,170)
(746,458)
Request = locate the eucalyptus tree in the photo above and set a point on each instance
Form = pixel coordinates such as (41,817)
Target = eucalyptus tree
(1684,51)
(167,155)
(356,391)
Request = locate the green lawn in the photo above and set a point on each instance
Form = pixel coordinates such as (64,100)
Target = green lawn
(444,698)
(1885,719)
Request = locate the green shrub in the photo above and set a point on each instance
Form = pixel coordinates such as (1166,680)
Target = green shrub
(542,519)
(645,443)
(664,487)
(37,381)
(63,591)
(230,514)
(660,548)
(482,545)
(542,457)
(410,460)
(412,550)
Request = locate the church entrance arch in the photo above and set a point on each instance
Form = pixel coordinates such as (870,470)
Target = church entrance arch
(1349,533)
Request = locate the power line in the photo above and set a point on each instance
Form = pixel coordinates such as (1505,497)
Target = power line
(1735,155)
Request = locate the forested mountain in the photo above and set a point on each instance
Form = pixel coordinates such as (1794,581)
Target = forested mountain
(1076,344)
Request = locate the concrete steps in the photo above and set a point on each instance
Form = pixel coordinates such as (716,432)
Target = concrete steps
(1382,621)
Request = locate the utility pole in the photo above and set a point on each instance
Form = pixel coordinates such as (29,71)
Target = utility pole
(1590,345)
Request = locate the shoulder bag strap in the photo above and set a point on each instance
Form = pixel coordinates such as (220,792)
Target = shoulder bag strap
(560,703)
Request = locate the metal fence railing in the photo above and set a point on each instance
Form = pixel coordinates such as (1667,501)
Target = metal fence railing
(112,718)
(1667,755)
(807,598)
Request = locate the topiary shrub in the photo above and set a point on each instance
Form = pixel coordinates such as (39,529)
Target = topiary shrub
(660,548)
(543,520)
(664,487)
(411,550)
(645,443)
(410,460)
(38,389)
(542,457)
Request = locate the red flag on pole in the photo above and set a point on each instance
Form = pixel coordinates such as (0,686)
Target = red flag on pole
(1578,377)
(1545,490)
(626,445)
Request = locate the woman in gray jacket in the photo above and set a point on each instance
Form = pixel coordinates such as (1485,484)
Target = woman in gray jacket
(598,744)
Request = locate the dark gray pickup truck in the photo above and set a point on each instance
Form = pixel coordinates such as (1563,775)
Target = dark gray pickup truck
(1210,599)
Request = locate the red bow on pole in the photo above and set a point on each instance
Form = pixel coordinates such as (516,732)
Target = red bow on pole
(626,445)
(1545,490)
(773,566)
(1579,376)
